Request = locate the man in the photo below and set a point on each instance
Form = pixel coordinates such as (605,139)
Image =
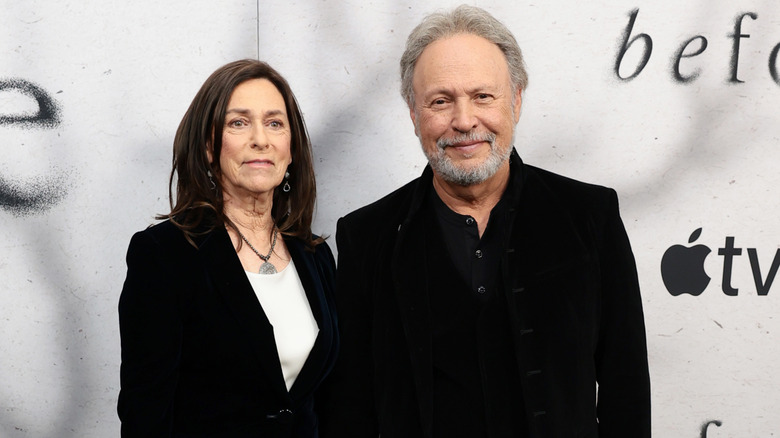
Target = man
(487,298)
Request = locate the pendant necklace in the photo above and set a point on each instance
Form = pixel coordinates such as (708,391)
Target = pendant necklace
(266,267)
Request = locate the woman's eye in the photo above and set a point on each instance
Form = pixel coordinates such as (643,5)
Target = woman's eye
(275,124)
(237,123)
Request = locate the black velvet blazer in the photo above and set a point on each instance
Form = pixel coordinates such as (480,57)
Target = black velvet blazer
(198,353)
(573,302)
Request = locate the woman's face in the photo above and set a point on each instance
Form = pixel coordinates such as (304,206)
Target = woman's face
(255,140)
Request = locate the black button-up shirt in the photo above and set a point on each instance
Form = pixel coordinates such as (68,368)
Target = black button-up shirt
(476,377)
(477,260)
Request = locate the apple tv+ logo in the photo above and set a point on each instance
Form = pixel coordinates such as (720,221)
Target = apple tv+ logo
(682,267)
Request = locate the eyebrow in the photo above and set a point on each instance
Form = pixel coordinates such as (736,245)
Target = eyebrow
(439,90)
(244,111)
(447,91)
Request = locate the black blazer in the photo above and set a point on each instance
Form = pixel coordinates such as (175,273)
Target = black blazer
(573,302)
(198,353)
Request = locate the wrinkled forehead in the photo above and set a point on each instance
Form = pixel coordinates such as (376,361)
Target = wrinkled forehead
(459,59)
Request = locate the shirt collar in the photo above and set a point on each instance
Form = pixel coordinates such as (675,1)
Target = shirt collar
(511,194)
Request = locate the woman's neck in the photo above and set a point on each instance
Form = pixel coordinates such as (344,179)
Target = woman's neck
(251,213)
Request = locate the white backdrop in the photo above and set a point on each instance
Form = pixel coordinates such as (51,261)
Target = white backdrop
(77,181)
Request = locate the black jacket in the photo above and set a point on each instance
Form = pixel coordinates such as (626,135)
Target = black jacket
(574,306)
(198,353)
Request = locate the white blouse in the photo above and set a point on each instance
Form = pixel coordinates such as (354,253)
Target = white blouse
(287,308)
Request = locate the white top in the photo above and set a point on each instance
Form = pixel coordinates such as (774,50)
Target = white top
(287,308)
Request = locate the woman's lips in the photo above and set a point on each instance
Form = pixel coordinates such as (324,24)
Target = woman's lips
(259,163)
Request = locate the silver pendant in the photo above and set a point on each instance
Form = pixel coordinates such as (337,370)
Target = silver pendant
(267,268)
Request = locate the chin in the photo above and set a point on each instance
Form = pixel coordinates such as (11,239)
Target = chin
(465,173)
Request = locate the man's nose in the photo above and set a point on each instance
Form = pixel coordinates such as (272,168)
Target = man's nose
(464,118)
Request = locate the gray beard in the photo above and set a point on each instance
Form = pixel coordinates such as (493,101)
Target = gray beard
(443,166)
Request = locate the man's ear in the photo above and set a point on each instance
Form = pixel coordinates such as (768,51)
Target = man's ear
(518,103)
(413,116)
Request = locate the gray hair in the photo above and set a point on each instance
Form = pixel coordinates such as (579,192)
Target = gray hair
(464,19)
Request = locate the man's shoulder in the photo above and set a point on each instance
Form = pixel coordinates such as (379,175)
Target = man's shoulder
(568,190)
(389,209)
(375,226)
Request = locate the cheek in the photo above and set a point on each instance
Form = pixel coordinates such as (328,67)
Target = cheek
(288,152)
(430,127)
(227,158)
(501,119)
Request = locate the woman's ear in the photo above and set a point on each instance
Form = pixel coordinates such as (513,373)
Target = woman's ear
(209,152)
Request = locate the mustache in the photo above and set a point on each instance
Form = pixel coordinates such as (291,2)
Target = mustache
(466,137)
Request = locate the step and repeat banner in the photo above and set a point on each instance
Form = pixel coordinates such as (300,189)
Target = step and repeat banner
(674,104)
(91,93)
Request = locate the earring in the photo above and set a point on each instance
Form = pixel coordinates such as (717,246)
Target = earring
(286,187)
(211,180)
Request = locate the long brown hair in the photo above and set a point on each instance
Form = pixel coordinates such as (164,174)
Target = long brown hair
(198,206)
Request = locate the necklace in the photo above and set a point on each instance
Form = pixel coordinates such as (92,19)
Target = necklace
(266,267)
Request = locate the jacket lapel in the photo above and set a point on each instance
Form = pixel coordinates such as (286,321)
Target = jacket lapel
(543,247)
(312,280)
(410,274)
(544,234)
(221,262)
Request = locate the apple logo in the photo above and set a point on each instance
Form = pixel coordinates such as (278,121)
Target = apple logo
(682,268)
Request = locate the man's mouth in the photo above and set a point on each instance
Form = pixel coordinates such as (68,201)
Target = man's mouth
(467,142)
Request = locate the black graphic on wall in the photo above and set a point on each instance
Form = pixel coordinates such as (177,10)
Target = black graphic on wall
(37,194)
(48,114)
(682,268)
(705,427)
(634,39)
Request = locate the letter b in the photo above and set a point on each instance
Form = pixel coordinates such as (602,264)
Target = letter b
(626,44)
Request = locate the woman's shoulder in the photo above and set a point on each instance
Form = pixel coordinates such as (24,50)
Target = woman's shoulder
(322,247)
(167,236)
(165,231)
(320,250)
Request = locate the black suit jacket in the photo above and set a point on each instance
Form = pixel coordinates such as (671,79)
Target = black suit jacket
(198,353)
(573,302)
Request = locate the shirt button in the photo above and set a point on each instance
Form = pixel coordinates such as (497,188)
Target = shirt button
(478,254)
(481,290)
(470,221)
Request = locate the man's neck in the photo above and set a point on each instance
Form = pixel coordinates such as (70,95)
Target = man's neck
(476,200)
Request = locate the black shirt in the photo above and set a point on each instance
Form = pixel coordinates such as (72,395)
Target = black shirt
(477,260)
(477,390)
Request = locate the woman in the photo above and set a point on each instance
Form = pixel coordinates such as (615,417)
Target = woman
(226,315)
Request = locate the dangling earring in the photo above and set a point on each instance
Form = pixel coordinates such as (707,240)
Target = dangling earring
(286,187)
(211,180)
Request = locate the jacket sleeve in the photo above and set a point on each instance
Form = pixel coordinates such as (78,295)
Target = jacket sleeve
(347,394)
(150,326)
(621,354)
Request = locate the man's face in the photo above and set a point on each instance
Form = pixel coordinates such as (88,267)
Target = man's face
(464,110)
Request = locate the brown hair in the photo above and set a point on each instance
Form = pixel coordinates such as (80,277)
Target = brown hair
(198,206)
